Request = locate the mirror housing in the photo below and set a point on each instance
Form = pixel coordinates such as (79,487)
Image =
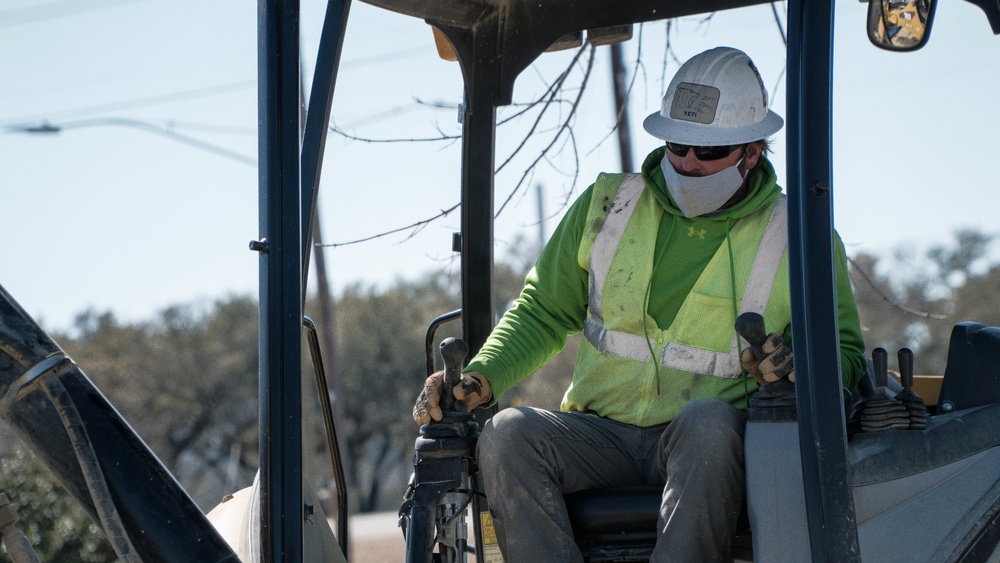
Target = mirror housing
(900,25)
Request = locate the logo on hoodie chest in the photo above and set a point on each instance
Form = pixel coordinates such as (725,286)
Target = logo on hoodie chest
(700,233)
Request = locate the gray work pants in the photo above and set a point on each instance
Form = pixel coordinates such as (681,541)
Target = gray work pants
(529,458)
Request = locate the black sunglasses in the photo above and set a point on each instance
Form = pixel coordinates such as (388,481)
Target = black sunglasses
(703,153)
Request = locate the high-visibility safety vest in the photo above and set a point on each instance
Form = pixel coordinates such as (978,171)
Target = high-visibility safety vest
(697,355)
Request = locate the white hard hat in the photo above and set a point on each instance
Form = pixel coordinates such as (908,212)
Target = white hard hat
(716,98)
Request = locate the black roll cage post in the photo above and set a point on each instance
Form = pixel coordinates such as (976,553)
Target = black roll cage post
(833,531)
(495,40)
(289,174)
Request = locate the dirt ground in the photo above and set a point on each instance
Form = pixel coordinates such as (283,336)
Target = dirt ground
(375,538)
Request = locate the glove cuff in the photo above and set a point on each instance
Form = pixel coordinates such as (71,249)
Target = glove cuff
(488,396)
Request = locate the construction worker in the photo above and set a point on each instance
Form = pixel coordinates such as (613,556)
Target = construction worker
(653,268)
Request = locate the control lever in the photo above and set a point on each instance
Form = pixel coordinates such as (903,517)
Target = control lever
(883,412)
(880,363)
(773,394)
(453,352)
(905,358)
(867,392)
(914,404)
(444,454)
(750,326)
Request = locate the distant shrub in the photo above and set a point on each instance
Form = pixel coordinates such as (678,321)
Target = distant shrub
(55,524)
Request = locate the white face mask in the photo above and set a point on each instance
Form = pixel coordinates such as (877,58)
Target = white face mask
(700,195)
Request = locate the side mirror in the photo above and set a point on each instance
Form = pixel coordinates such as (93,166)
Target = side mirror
(900,25)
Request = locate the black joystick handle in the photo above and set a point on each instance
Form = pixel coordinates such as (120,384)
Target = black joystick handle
(750,326)
(880,361)
(905,357)
(453,352)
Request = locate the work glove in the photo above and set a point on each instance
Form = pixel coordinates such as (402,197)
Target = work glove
(472,390)
(777,362)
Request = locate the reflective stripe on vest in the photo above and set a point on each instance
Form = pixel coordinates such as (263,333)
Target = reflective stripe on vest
(677,356)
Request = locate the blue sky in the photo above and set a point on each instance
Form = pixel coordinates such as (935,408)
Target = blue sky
(114,213)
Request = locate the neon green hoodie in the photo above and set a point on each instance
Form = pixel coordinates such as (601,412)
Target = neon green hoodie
(553,303)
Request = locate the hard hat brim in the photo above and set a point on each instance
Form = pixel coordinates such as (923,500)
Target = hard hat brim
(697,134)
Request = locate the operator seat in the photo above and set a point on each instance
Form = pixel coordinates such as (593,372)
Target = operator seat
(619,524)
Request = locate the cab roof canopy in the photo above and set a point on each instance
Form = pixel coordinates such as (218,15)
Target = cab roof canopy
(517,31)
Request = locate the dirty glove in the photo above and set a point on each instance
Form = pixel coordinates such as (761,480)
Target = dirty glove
(777,362)
(472,390)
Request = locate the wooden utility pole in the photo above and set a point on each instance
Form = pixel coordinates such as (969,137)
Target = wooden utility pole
(621,107)
(540,192)
(326,325)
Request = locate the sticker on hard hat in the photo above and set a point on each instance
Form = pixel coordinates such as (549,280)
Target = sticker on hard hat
(695,102)
(760,82)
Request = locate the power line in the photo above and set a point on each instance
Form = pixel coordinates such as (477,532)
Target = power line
(193,93)
(50,128)
(140,102)
(386,57)
(53,10)
(211,128)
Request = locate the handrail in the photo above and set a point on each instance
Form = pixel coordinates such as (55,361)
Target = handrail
(331,431)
